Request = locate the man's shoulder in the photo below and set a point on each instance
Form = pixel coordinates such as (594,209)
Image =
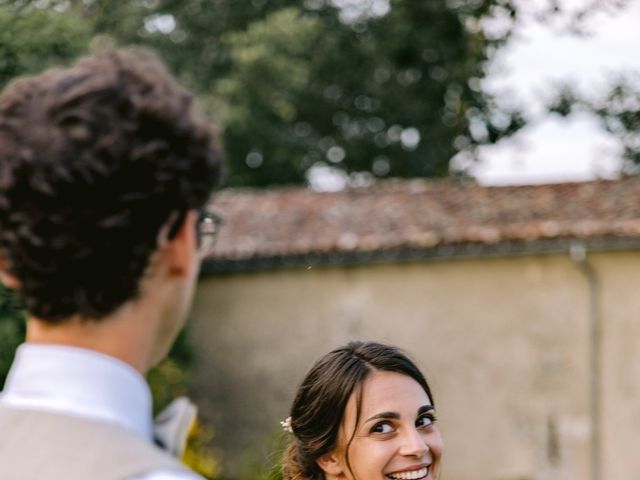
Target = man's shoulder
(86,446)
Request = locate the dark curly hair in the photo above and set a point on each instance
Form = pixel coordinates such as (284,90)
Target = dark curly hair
(94,160)
(318,408)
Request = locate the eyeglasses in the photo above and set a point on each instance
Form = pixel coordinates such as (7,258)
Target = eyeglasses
(209,223)
(207,228)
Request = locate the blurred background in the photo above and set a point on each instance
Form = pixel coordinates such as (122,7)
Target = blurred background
(311,91)
(322,106)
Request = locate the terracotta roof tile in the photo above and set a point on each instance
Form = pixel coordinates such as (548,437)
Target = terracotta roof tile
(419,214)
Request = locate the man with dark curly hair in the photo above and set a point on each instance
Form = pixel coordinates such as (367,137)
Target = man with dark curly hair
(104,176)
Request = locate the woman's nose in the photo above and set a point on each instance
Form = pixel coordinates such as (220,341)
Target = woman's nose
(414,444)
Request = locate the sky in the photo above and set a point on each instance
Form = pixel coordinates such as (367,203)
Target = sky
(553,149)
(526,73)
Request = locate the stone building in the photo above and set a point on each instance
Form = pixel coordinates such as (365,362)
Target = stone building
(521,304)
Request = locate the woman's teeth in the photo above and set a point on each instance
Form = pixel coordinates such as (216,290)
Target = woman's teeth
(410,475)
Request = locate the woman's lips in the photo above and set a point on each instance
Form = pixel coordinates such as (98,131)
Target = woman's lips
(411,473)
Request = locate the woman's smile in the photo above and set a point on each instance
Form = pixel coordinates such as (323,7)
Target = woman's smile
(389,431)
(411,473)
(363,412)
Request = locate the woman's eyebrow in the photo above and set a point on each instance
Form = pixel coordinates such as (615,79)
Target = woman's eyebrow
(384,416)
(425,409)
(396,416)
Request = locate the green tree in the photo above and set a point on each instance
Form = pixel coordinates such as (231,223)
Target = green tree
(294,84)
(33,39)
(12,330)
(392,95)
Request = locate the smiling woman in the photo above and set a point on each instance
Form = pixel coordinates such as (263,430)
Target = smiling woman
(364,411)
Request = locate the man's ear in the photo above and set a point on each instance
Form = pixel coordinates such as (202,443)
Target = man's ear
(181,249)
(331,465)
(6,278)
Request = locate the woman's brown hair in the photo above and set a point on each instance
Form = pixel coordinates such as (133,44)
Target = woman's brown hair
(318,408)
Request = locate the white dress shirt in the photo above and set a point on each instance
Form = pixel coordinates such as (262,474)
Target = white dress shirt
(87,384)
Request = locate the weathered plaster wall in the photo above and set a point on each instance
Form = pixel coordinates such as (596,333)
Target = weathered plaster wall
(503,341)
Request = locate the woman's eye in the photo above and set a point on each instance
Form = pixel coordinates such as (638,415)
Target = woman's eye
(382,428)
(425,421)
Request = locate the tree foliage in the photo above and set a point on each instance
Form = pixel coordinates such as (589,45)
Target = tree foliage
(12,327)
(31,40)
(618,112)
(391,94)
(296,84)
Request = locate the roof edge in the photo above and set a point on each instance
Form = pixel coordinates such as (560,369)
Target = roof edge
(401,255)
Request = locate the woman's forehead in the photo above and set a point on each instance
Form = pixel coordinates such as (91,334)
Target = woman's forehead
(385,391)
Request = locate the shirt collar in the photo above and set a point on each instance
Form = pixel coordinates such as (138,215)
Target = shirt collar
(79,382)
